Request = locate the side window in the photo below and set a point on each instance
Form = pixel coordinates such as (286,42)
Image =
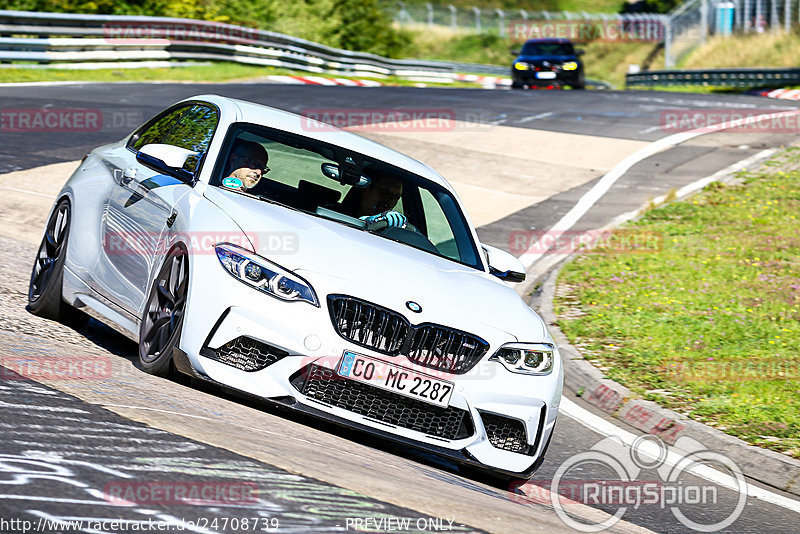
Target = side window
(158,131)
(194,132)
(439,231)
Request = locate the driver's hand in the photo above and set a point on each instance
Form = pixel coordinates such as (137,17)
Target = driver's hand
(394,219)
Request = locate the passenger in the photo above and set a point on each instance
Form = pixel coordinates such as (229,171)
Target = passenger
(246,166)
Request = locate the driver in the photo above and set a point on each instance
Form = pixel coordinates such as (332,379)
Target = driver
(377,201)
(246,165)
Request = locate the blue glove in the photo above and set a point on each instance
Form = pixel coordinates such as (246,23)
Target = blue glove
(394,219)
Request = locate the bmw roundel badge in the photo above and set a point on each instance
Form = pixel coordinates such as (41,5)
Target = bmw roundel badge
(413,306)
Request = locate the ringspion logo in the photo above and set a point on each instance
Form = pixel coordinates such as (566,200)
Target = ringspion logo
(646,474)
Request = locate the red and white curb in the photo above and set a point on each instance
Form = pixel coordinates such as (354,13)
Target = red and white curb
(318,80)
(485,80)
(783,94)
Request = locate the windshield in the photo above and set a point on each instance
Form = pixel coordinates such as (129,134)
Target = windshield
(548,49)
(347,187)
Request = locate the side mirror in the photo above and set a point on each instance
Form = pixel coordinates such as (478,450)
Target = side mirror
(503,265)
(168,159)
(515,53)
(579,52)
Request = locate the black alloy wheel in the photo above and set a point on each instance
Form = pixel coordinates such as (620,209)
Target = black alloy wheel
(44,290)
(163,315)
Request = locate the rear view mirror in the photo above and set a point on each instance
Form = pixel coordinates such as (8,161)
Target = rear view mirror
(331,170)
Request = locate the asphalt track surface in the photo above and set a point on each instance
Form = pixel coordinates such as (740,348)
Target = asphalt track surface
(60,454)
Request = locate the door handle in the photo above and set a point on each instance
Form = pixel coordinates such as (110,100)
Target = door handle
(128,175)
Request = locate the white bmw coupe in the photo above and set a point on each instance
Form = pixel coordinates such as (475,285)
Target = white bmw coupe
(311,267)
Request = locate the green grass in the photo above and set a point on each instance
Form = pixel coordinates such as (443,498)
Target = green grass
(201,73)
(696,89)
(591,6)
(708,326)
(196,73)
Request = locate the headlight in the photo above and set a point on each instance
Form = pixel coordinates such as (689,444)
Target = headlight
(526,358)
(522,66)
(263,275)
(570,65)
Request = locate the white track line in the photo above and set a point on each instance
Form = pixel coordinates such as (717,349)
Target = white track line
(606,428)
(591,197)
(534,117)
(694,186)
(4,188)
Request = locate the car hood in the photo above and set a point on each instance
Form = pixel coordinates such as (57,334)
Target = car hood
(338,259)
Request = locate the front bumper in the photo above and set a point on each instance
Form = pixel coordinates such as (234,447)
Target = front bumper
(530,78)
(276,350)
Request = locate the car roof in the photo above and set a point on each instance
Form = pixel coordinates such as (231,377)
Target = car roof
(235,110)
(559,40)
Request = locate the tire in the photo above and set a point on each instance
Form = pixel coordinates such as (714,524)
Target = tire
(162,321)
(47,277)
(580,84)
(517,85)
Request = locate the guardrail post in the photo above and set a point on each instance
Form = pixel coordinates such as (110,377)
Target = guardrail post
(703,21)
(759,16)
(429,7)
(477,12)
(452,9)
(787,16)
(737,14)
(501,16)
(669,61)
(774,23)
(746,16)
(401,14)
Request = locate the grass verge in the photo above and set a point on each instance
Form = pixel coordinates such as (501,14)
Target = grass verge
(199,73)
(707,326)
(214,72)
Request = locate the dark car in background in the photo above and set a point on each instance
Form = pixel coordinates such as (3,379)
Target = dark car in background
(547,62)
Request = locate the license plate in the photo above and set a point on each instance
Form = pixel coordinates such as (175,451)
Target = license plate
(394,378)
(546,75)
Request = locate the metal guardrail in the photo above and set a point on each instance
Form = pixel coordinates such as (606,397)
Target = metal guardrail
(68,38)
(732,77)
